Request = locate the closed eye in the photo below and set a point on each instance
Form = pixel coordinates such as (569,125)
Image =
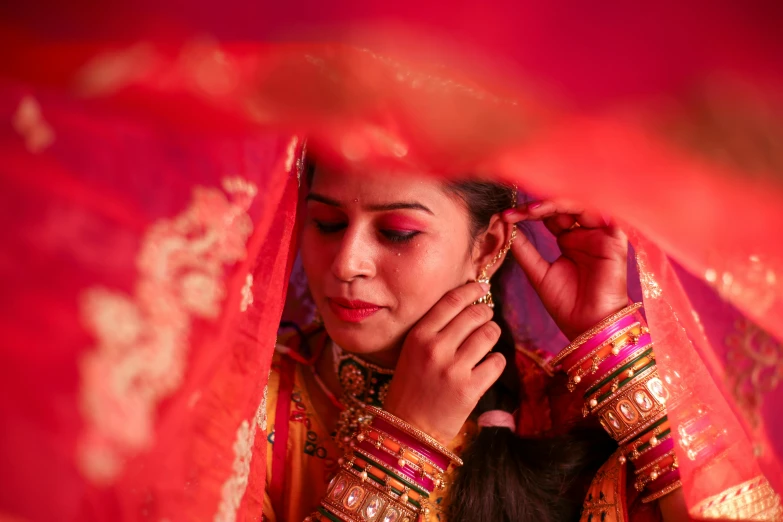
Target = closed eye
(329,227)
(398,236)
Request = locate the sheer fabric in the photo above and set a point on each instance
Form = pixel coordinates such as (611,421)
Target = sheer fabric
(149,198)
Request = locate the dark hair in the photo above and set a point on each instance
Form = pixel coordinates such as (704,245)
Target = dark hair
(506,477)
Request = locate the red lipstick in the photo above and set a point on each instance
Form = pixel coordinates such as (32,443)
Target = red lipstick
(352,311)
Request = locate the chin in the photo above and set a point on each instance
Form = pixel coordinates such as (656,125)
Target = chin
(360,338)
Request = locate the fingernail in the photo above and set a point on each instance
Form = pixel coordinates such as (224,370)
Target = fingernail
(607,219)
(511,213)
(533,206)
(484,286)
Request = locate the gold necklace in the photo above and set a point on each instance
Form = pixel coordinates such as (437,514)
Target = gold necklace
(363,384)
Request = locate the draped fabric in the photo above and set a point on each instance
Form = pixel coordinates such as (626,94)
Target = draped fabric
(149,194)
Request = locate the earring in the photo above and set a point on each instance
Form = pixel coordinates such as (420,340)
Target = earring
(484,278)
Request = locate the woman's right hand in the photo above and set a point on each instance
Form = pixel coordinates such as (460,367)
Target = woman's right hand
(442,371)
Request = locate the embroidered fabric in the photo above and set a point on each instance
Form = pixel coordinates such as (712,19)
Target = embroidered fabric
(138,401)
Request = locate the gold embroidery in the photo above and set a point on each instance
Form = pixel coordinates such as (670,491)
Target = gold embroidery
(247,293)
(31,125)
(234,488)
(261,413)
(604,501)
(754,367)
(650,287)
(142,339)
(751,500)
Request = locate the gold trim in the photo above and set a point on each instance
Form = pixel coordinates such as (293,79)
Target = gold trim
(414,432)
(751,500)
(677,484)
(582,339)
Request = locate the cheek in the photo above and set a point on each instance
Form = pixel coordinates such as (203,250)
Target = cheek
(420,277)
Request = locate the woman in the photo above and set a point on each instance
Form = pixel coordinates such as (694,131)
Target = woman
(399,267)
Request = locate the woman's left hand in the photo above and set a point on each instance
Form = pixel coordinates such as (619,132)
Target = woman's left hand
(588,282)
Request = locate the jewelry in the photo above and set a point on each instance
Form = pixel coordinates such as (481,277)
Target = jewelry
(579,341)
(351,497)
(663,492)
(484,278)
(391,445)
(415,433)
(363,384)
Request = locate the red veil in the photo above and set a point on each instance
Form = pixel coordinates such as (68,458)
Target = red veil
(149,195)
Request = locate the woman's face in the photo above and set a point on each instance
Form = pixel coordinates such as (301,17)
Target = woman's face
(379,251)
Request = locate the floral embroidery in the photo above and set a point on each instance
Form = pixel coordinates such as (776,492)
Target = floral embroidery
(31,125)
(247,293)
(142,339)
(754,367)
(234,488)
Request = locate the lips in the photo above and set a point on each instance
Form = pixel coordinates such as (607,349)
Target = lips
(352,311)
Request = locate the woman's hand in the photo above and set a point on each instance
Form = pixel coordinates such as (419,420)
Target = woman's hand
(440,375)
(588,282)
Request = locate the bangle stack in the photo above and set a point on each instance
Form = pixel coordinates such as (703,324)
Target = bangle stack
(388,473)
(613,366)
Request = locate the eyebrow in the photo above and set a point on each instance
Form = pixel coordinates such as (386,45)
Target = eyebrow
(397,205)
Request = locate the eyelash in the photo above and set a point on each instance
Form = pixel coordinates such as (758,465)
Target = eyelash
(392,236)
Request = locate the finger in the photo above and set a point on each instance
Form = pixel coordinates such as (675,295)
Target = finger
(465,324)
(547,209)
(531,261)
(478,344)
(560,223)
(485,374)
(526,211)
(451,304)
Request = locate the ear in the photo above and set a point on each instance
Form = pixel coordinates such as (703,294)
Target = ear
(490,244)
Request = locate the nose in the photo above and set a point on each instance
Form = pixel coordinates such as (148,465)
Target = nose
(354,256)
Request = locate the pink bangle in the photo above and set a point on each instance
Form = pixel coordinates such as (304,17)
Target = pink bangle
(662,481)
(616,361)
(597,340)
(390,461)
(659,450)
(595,330)
(435,457)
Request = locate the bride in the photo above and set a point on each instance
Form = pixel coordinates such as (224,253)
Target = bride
(405,272)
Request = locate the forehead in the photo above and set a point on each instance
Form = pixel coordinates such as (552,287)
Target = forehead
(379,186)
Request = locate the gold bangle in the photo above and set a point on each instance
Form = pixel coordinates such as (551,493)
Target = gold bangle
(582,339)
(606,378)
(350,497)
(642,480)
(651,464)
(635,453)
(633,409)
(610,341)
(411,457)
(663,492)
(415,433)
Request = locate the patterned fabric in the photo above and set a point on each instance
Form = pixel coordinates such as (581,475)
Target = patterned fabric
(312,454)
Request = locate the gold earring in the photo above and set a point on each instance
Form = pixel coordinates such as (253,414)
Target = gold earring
(486,299)
(484,278)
